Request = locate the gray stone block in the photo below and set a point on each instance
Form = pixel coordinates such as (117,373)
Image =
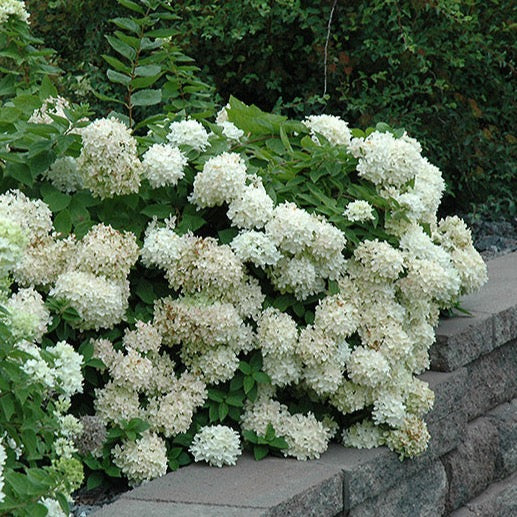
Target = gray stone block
(448,389)
(420,495)
(136,508)
(492,380)
(471,467)
(504,418)
(276,486)
(499,499)
(462,339)
(368,472)
(446,433)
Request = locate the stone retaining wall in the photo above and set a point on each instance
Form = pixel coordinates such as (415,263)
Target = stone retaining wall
(469,470)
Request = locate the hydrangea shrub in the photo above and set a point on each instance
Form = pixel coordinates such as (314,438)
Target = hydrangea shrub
(247,278)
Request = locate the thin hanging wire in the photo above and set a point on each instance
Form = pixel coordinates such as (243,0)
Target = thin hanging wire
(327,45)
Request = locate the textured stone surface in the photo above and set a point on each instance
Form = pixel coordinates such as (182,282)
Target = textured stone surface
(462,339)
(369,472)
(448,388)
(446,433)
(136,508)
(492,380)
(277,486)
(471,467)
(504,418)
(422,494)
(498,500)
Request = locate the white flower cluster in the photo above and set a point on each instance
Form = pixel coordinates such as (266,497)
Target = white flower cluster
(360,211)
(65,175)
(163,165)
(51,106)
(95,280)
(298,250)
(334,129)
(218,445)
(108,163)
(15,8)
(3,458)
(143,459)
(189,133)
(306,437)
(230,130)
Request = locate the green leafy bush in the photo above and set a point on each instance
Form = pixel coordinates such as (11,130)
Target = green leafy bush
(426,66)
(250,277)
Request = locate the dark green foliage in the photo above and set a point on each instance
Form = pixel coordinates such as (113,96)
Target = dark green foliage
(442,69)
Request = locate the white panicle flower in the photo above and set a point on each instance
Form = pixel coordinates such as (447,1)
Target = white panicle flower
(3,457)
(291,228)
(53,507)
(103,350)
(380,259)
(162,247)
(337,317)
(143,459)
(298,276)
(222,115)
(13,242)
(114,403)
(51,106)
(359,211)
(429,187)
(33,216)
(29,317)
(222,179)
(44,261)
(218,445)
(324,378)
(386,160)
(14,8)
(231,131)
(247,298)
(100,302)
(217,365)
(108,163)
(264,411)
(315,346)
(204,265)
(105,251)
(410,439)
(131,370)
(334,129)
(163,165)
(67,364)
(350,397)
(452,233)
(251,208)
(471,268)
(283,370)
(420,398)
(64,175)
(430,279)
(306,437)
(277,333)
(188,132)
(368,367)
(389,408)
(37,368)
(145,338)
(328,241)
(363,435)
(256,247)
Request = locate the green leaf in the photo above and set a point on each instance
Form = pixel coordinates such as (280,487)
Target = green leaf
(133,6)
(260,451)
(117,64)
(223,411)
(244,367)
(279,443)
(159,211)
(215,395)
(148,70)
(249,383)
(95,479)
(235,400)
(145,291)
(270,432)
(122,48)
(256,361)
(128,24)
(56,200)
(262,377)
(63,222)
(213,412)
(118,77)
(250,436)
(226,236)
(146,97)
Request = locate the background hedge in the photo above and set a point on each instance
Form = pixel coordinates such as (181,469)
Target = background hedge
(443,69)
